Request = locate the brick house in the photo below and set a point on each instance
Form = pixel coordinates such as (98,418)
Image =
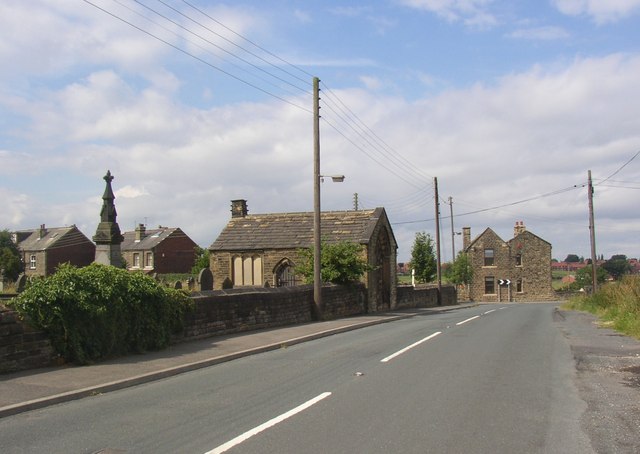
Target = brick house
(524,261)
(43,250)
(263,249)
(162,250)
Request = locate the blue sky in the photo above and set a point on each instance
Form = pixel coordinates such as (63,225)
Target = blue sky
(507,103)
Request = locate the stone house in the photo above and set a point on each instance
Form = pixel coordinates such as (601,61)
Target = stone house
(162,250)
(263,249)
(43,250)
(522,265)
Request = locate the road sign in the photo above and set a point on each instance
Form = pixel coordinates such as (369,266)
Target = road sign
(504,282)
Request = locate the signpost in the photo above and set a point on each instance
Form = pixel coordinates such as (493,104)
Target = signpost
(505,283)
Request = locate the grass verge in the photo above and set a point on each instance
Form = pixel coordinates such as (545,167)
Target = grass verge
(617,304)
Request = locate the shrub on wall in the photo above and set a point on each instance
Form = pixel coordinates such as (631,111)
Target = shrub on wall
(100,311)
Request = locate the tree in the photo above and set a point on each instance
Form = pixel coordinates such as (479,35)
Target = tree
(341,263)
(461,270)
(583,276)
(572,258)
(617,266)
(423,259)
(201,261)
(9,256)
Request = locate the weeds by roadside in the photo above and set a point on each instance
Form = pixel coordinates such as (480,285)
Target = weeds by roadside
(616,303)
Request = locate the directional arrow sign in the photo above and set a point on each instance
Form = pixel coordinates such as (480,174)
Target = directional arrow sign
(504,282)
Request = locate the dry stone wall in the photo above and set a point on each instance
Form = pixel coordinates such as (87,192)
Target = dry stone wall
(21,346)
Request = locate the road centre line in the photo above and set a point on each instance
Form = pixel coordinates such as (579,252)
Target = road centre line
(272,422)
(404,350)
(467,320)
(488,312)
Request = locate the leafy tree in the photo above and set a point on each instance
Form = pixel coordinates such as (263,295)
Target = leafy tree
(572,258)
(617,266)
(583,276)
(423,259)
(201,261)
(461,270)
(341,263)
(9,256)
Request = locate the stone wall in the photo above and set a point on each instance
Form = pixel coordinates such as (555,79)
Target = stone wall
(221,312)
(425,296)
(21,346)
(237,310)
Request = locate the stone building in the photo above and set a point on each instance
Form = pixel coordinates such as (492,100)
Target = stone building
(515,270)
(263,249)
(162,250)
(44,249)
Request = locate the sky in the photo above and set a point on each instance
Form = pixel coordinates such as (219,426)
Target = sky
(191,104)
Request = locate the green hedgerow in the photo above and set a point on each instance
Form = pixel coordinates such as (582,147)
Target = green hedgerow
(101,311)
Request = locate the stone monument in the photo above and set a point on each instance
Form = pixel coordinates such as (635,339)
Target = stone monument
(108,237)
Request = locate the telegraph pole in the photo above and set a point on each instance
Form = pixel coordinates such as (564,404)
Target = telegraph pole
(317,274)
(592,231)
(453,235)
(438,270)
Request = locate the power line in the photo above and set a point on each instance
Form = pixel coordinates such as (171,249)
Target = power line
(198,58)
(253,44)
(483,210)
(306,90)
(621,167)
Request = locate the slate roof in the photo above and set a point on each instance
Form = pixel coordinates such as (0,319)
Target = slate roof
(295,230)
(152,238)
(54,237)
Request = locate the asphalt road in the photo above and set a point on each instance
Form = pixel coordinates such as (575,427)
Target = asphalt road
(492,378)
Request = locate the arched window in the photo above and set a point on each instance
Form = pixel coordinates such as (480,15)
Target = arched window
(284,273)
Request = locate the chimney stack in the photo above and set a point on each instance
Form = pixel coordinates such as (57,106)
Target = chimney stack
(466,237)
(140,232)
(519,228)
(239,208)
(43,231)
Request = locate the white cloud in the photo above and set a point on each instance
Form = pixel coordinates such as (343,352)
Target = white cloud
(548,33)
(472,12)
(600,11)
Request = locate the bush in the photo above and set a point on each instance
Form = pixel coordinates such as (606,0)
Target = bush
(101,311)
(341,263)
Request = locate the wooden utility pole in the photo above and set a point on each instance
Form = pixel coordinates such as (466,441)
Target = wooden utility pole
(453,234)
(438,270)
(317,273)
(592,232)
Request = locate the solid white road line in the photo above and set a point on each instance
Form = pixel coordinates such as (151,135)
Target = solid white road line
(400,352)
(467,320)
(488,312)
(245,436)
